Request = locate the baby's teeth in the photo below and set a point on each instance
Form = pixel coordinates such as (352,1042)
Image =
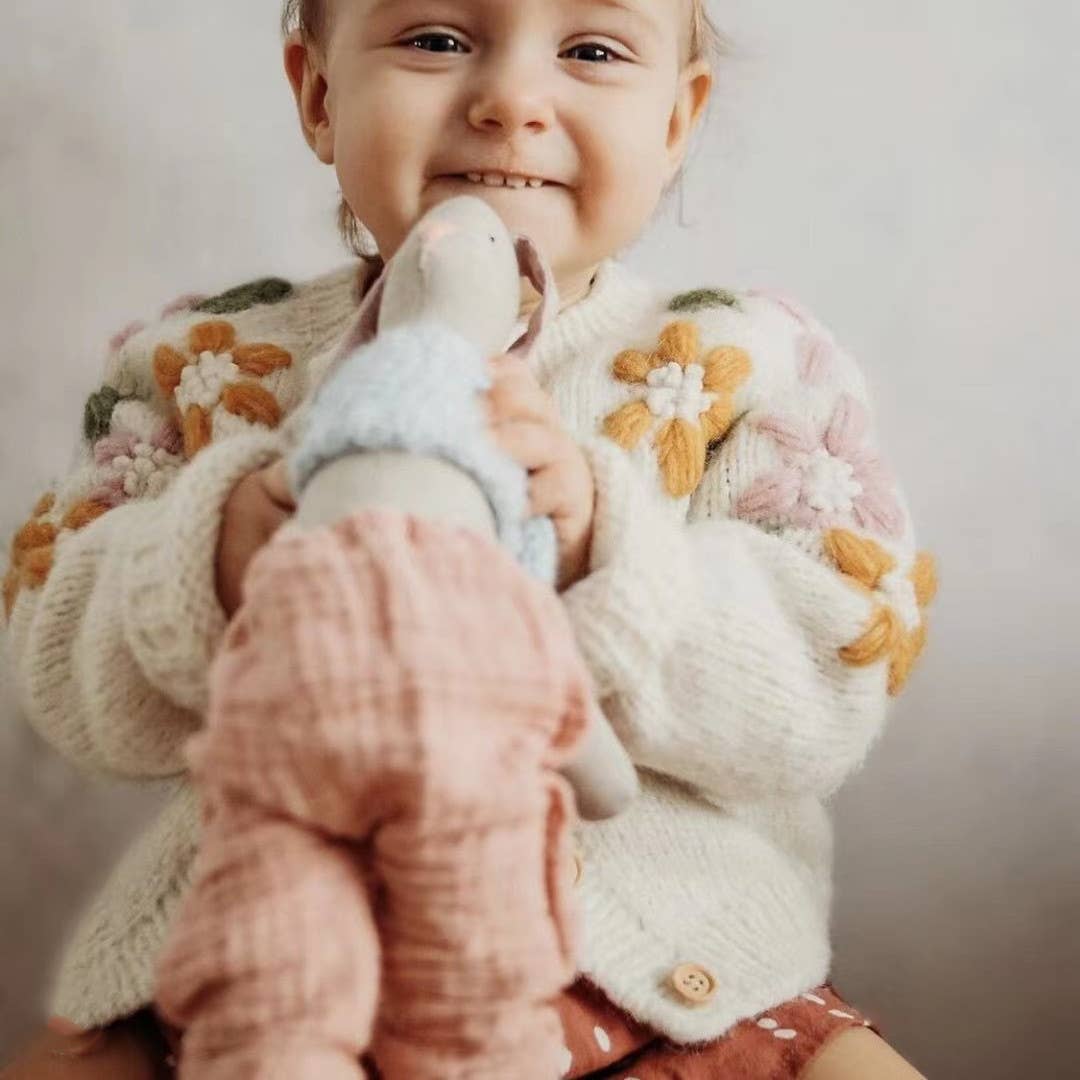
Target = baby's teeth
(498,180)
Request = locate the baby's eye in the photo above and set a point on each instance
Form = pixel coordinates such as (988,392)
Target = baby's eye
(596,47)
(439,38)
(436,42)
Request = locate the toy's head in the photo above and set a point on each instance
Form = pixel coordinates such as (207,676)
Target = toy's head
(460,265)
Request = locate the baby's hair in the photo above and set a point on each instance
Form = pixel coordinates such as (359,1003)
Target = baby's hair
(309,17)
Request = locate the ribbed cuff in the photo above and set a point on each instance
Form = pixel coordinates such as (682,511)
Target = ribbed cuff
(173,619)
(107,967)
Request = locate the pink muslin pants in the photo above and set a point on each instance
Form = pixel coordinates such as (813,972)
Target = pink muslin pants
(384,863)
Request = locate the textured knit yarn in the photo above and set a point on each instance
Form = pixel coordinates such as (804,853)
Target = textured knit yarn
(755,598)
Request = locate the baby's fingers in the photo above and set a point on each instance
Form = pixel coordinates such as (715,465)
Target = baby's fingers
(516,395)
(531,444)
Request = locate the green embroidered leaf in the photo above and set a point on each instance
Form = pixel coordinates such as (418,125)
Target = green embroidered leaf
(264,291)
(699,299)
(98,412)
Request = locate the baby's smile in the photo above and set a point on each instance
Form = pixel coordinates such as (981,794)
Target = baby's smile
(499,180)
(568,117)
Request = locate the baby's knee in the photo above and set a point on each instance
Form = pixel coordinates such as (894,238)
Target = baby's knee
(856,1053)
(125,1050)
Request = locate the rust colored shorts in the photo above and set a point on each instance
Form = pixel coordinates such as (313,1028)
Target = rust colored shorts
(605,1043)
(602,1041)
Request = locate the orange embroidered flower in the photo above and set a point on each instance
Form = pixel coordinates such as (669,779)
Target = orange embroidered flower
(211,375)
(35,543)
(897,629)
(691,396)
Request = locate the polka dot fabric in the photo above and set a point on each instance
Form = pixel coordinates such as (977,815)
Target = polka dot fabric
(603,1042)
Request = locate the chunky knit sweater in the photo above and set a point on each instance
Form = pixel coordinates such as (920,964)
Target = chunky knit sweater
(754,598)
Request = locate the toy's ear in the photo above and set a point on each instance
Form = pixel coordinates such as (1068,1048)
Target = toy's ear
(533,265)
(365,324)
(366,321)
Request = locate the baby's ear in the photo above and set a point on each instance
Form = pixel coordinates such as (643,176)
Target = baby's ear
(533,265)
(303,68)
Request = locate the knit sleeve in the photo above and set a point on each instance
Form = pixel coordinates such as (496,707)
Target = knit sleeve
(752,649)
(110,595)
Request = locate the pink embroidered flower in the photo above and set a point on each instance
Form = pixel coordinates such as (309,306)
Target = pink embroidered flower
(121,337)
(793,307)
(135,468)
(817,358)
(831,477)
(187,302)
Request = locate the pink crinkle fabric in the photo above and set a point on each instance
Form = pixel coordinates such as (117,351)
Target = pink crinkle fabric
(385,859)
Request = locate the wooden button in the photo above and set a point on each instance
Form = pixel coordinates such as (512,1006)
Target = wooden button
(693,983)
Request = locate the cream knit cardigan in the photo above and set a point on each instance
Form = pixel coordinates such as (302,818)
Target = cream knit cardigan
(743,637)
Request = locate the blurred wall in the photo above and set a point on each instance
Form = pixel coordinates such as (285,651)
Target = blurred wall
(909,171)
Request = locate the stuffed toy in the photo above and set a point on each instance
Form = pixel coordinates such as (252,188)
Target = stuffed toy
(399,721)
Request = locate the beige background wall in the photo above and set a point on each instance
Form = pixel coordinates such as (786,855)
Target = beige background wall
(911,171)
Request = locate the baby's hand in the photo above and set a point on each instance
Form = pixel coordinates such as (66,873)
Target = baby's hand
(256,508)
(527,425)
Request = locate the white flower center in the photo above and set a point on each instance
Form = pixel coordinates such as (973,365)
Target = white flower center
(899,594)
(147,473)
(202,383)
(829,483)
(675,391)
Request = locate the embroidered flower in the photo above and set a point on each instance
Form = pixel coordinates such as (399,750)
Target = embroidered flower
(269,290)
(203,382)
(210,375)
(897,630)
(187,302)
(691,396)
(121,337)
(97,413)
(34,545)
(135,468)
(798,311)
(827,477)
(816,358)
(700,299)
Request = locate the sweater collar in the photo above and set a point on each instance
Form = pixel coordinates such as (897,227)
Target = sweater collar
(617,296)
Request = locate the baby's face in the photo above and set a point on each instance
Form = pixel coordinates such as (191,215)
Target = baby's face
(592,97)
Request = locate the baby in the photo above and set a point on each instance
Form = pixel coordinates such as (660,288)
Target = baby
(736,560)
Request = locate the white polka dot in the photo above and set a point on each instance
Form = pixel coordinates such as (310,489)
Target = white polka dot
(602,1039)
(840,1012)
(814,998)
(567,1061)
(785,1033)
(768,1023)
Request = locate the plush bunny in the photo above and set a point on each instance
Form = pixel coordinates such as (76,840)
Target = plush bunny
(385,857)
(398,421)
